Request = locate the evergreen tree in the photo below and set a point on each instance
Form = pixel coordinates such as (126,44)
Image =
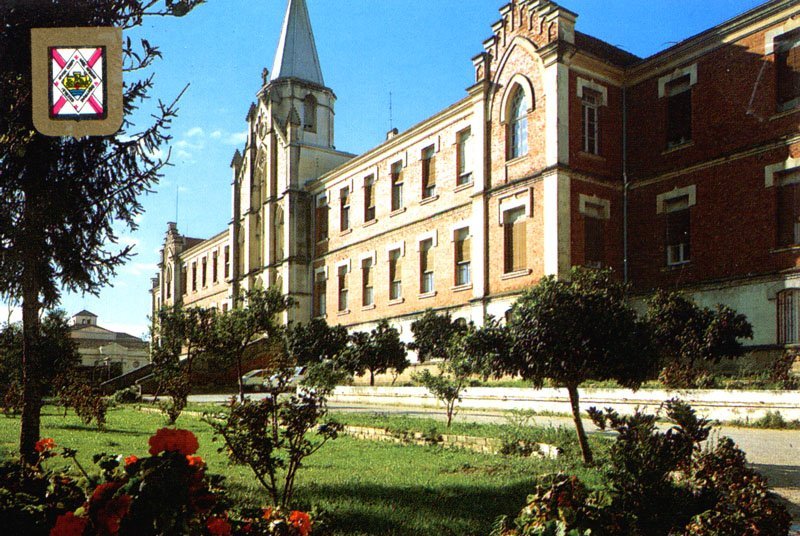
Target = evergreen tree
(64,199)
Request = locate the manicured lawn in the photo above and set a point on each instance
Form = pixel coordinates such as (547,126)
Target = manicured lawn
(366,488)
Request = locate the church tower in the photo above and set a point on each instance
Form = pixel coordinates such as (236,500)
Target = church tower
(290,142)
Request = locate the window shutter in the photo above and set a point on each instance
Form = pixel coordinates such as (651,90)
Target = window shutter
(594,240)
(463,248)
(519,244)
(368,274)
(431,171)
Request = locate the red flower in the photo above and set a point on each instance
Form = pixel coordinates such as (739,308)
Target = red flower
(195,461)
(268,513)
(106,510)
(218,526)
(301,521)
(130,460)
(171,440)
(44,445)
(69,525)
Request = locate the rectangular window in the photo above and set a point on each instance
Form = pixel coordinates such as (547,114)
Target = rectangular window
(788,209)
(214,266)
(321,217)
(787,69)
(788,317)
(464,171)
(397,186)
(344,206)
(679,111)
(367,287)
(514,240)
(678,230)
(227,262)
(426,266)
(224,307)
(320,291)
(194,277)
(203,272)
(593,241)
(183,279)
(395,275)
(369,198)
(343,289)
(463,257)
(428,173)
(591,121)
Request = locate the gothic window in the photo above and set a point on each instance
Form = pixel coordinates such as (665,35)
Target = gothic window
(310,113)
(169,283)
(277,235)
(518,126)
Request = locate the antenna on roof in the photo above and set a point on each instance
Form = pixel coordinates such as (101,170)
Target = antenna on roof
(391,121)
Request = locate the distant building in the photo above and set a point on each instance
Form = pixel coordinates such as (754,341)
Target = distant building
(101,347)
(679,171)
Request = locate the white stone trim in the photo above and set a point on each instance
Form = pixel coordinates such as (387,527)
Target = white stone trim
(457,226)
(594,86)
(433,236)
(346,263)
(512,201)
(592,199)
(680,72)
(771,170)
(369,255)
(321,270)
(690,191)
(396,245)
(772,35)
(527,88)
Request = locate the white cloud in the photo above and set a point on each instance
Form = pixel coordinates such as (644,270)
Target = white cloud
(184,189)
(195,132)
(236,138)
(217,134)
(139,269)
(183,155)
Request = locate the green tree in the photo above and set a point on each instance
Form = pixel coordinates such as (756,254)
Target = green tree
(318,347)
(691,338)
(377,352)
(64,200)
(432,332)
(180,336)
(59,351)
(577,330)
(254,319)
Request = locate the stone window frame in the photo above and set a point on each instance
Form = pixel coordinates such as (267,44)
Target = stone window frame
(582,85)
(690,193)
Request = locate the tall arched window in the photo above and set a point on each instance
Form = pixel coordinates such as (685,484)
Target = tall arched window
(518,126)
(310,113)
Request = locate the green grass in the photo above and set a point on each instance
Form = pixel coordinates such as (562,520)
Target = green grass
(366,488)
(772,420)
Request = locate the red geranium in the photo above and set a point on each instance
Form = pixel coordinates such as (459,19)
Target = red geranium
(195,461)
(301,521)
(218,526)
(69,525)
(44,445)
(130,460)
(172,440)
(106,510)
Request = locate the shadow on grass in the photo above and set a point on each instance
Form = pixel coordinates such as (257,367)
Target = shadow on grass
(375,509)
(91,428)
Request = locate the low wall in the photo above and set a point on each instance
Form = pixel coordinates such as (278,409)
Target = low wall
(716,404)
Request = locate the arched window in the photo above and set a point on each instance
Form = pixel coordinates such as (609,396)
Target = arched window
(277,235)
(310,113)
(518,126)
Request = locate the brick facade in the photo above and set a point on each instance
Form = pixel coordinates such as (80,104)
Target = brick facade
(597,177)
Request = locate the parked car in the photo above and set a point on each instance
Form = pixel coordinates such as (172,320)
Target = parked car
(254,380)
(293,381)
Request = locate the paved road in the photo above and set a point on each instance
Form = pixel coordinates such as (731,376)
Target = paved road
(774,453)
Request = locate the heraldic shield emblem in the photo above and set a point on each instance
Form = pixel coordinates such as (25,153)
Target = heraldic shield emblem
(77,80)
(76,75)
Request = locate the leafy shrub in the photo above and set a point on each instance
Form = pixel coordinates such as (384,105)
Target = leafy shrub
(129,395)
(177,388)
(87,401)
(660,484)
(12,400)
(772,420)
(781,371)
(272,437)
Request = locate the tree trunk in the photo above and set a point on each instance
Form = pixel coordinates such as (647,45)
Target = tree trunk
(574,401)
(239,376)
(31,374)
(371,378)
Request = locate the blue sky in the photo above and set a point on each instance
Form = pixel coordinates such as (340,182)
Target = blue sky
(419,50)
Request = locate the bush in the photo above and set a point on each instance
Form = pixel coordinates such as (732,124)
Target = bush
(129,395)
(87,401)
(781,371)
(659,484)
(12,400)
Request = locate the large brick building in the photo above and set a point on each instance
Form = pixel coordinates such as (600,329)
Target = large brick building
(681,170)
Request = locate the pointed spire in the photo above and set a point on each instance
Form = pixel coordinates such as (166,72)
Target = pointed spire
(297,53)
